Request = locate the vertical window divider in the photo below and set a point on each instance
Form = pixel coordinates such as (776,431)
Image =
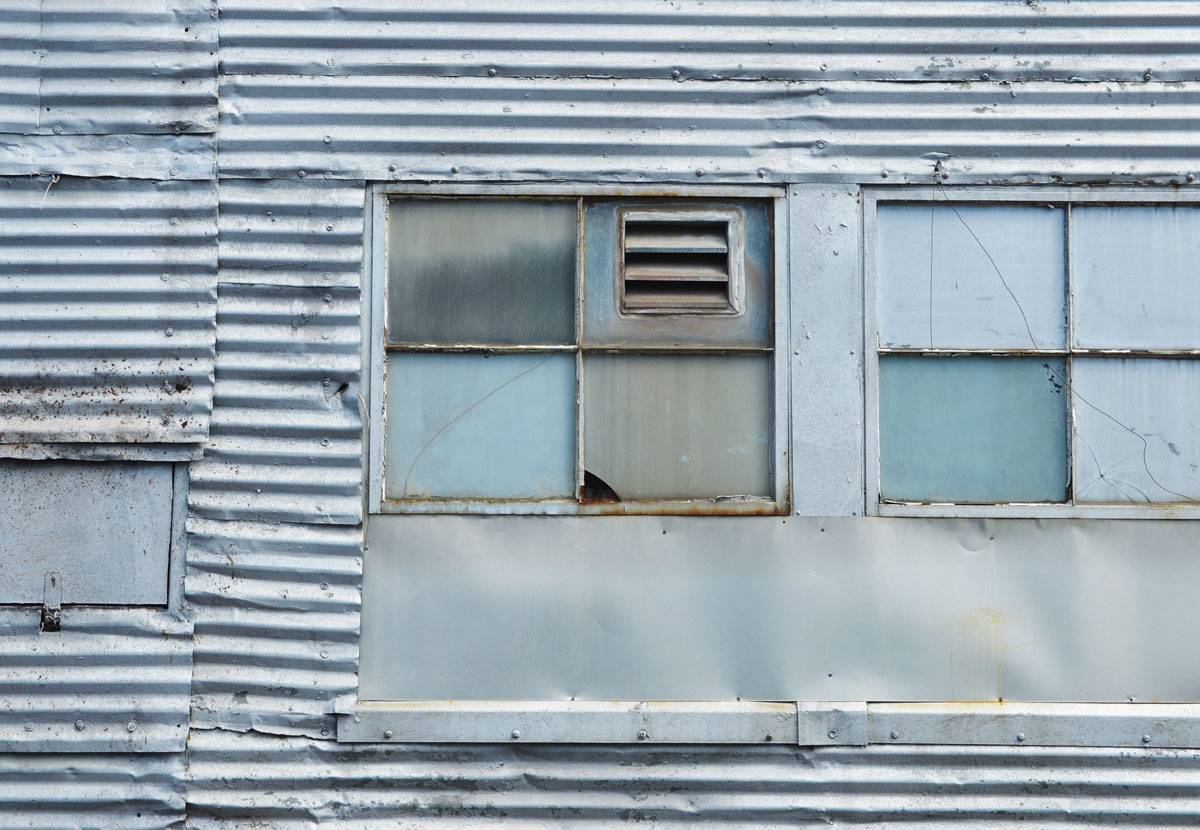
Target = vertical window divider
(1069,359)
(579,390)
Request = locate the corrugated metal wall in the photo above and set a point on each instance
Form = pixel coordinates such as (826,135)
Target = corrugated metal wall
(268,190)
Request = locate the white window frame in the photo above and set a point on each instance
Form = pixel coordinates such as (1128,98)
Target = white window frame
(374,353)
(872,198)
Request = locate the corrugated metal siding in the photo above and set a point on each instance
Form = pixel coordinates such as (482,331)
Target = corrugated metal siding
(832,39)
(292,782)
(113,680)
(92,792)
(276,610)
(286,442)
(107,310)
(386,128)
(19,30)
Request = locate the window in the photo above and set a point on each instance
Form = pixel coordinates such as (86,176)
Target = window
(558,353)
(1033,357)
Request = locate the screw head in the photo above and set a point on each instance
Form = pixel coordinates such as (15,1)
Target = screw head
(58,129)
(170,332)
(820,145)
(643,735)
(131,726)
(491,71)
(516,734)
(324,586)
(1020,736)
(832,733)
(79,725)
(1145,739)
(985,77)
(895,734)
(29,727)
(388,734)
(328,139)
(821,90)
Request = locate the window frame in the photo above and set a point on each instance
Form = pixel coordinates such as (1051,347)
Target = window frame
(375,350)
(1067,197)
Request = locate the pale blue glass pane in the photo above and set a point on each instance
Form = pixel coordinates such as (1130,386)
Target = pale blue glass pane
(481,271)
(678,426)
(963,302)
(972,429)
(1137,430)
(1135,277)
(470,426)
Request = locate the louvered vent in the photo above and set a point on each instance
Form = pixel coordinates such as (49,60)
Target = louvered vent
(684,262)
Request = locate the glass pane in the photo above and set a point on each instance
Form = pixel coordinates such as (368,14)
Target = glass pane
(1135,277)
(972,429)
(471,426)
(1136,430)
(961,302)
(487,272)
(676,426)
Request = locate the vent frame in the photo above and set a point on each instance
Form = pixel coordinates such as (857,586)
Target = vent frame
(707,304)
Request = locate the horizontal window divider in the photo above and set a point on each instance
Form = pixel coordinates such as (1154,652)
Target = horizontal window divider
(722,505)
(815,723)
(1040,510)
(485,348)
(976,352)
(683,349)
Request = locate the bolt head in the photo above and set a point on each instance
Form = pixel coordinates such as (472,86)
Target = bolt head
(131,726)
(643,735)
(895,734)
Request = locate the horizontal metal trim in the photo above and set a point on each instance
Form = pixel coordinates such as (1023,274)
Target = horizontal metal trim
(1174,725)
(1144,510)
(731,505)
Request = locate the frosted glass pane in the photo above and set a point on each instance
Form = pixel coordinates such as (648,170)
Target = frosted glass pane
(963,304)
(678,427)
(477,271)
(470,426)
(1137,430)
(972,429)
(1135,277)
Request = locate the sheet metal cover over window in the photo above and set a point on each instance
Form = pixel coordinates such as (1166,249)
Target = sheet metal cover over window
(492,396)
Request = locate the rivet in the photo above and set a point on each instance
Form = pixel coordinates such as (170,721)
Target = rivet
(324,655)
(699,172)
(895,734)
(643,735)
(388,734)
(985,77)
(491,71)
(675,74)
(324,586)
(329,227)
(79,725)
(1145,739)
(821,90)
(58,129)
(883,174)
(1020,736)
(516,734)
(131,726)
(29,727)
(833,733)
(820,145)
(170,332)
(328,139)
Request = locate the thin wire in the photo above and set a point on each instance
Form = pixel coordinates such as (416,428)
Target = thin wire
(1069,386)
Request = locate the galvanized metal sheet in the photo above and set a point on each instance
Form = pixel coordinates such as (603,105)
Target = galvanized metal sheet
(749,41)
(638,608)
(112,680)
(276,614)
(151,157)
(19,34)
(286,440)
(390,128)
(107,310)
(277,783)
(298,232)
(104,529)
(110,68)
(84,792)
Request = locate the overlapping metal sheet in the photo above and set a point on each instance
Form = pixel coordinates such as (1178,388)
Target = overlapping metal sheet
(90,792)
(276,613)
(749,41)
(286,441)
(293,782)
(112,680)
(456,128)
(107,310)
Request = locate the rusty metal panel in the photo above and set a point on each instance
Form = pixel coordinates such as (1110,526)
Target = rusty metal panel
(299,232)
(107,310)
(112,680)
(106,67)
(456,128)
(276,609)
(278,783)
(286,438)
(103,529)
(694,40)
(85,792)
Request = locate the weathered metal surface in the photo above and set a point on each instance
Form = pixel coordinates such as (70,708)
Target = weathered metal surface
(19,29)
(639,608)
(286,439)
(142,157)
(104,528)
(465,129)
(112,680)
(107,310)
(88,792)
(276,614)
(747,41)
(285,783)
(297,232)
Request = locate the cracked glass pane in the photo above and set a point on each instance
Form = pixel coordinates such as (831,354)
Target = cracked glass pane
(477,426)
(482,272)
(972,430)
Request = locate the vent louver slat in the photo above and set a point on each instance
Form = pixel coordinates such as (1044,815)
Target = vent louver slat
(678,265)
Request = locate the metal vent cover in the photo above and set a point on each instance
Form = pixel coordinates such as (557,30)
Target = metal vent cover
(679,262)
